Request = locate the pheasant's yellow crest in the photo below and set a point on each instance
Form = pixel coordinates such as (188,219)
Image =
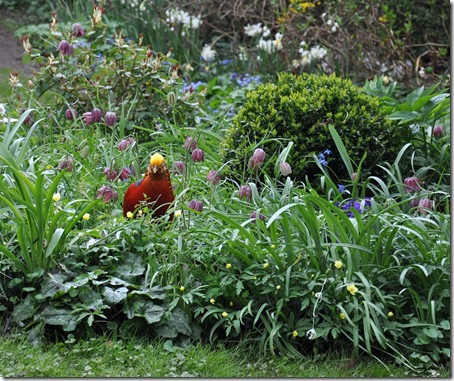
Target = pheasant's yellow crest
(156,160)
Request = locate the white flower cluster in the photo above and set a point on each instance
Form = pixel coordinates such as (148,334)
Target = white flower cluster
(315,53)
(269,45)
(178,16)
(208,54)
(134,4)
(334,26)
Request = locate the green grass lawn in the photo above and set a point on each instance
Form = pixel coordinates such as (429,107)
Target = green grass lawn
(102,357)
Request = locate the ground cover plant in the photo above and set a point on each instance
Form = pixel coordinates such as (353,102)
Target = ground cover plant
(352,257)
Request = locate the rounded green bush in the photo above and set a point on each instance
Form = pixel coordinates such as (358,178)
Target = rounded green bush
(299,108)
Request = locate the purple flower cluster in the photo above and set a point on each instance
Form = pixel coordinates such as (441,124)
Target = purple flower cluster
(322,157)
(245,79)
(192,86)
(354,204)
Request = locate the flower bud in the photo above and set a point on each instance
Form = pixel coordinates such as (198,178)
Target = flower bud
(198,155)
(71,114)
(285,169)
(171,98)
(425,203)
(178,167)
(111,118)
(195,205)
(96,115)
(107,193)
(214,177)
(245,191)
(438,131)
(190,143)
(78,30)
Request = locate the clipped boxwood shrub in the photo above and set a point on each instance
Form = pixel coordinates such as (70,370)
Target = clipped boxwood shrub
(300,108)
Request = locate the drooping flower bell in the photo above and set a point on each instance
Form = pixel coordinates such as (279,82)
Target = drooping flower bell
(111,174)
(245,191)
(285,169)
(438,131)
(425,203)
(198,155)
(178,167)
(70,114)
(257,159)
(195,205)
(125,173)
(412,184)
(107,193)
(96,115)
(88,118)
(66,163)
(254,216)
(214,177)
(78,30)
(110,118)
(190,143)
(65,48)
(125,143)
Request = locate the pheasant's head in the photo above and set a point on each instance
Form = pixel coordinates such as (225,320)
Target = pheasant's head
(157,166)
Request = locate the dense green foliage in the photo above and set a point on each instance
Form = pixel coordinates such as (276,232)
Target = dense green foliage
(355,258)
(300,109)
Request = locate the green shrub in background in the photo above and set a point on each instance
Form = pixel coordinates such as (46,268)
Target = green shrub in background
(299,109)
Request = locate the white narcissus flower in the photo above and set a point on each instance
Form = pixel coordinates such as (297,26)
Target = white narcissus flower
(208,53)
(253,30)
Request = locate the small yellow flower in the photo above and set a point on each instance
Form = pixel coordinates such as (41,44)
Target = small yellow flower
(265,265)
(225,314)
(129,215)
(273,246)
(228,265)
(278,287)
(212,301)
(86,216)
(342,316)
(56,197)
(140,212)
(383,19)
(390,314)
(338,264)
(48,167)
(231,304)
(177,213)
(352,288)
(182,288)
(295,333)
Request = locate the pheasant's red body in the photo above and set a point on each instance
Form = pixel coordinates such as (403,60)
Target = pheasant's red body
(154,190)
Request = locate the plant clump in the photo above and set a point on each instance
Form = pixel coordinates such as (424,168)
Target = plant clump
(300,108)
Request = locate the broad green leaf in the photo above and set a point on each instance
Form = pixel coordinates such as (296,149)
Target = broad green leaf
(60,316)
(115,296)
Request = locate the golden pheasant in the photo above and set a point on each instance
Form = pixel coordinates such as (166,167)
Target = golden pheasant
(154,190)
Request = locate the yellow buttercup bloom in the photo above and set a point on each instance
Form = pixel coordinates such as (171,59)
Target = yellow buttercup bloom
(295,333)
(278,287)
(228,265)
(265,265)
(225,314)
(273,246)
(182,288)
(390,314)
(352,289)
(212,301)
(231,304)
(56,197)
(338,264)
(86,216)
(129,215)
(342,316)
